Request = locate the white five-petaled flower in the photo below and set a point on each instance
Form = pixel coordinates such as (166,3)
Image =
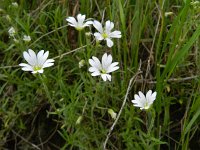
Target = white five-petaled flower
(36,63)
(11,32)
(105,33)
(27,38)
(80,23)
(103,69)
(142,101)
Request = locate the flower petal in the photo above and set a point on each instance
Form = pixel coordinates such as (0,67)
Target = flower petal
(142,98)
(98,26)
(141,95)
(106,61)
(152,98)
(104,77)
(87,23)
(72,21)
(98,36)
(137,103)
(48,63)
(113,67)
(108,77)
(81,19)
(40,71)
(115,34)
(26,67)
(94,62)
(148,95)
(93,69)
(154,94)
(42,57)
(137,97)
(109,26)
(109,42)
(30,57)
(96,73)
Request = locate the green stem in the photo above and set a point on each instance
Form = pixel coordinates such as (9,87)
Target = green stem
(150,120)
(47,92)
(80,38)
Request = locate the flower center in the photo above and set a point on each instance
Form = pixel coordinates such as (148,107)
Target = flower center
(36,68)
(105,35)
(103,71)
(79,28)
(146,105)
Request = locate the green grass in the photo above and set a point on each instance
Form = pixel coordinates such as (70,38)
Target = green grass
(41,111)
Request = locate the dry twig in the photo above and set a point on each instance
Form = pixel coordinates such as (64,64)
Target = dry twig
(123,104)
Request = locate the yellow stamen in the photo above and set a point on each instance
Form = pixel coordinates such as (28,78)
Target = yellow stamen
(105,35)
(103,71)
(36,68)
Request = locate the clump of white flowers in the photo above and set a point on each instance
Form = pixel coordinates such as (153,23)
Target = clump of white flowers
(80,23)
(103,68)
(142,101)
(36,63)
(106,33)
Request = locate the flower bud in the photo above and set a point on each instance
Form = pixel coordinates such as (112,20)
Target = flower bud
(112,113)
(27,38)
(11,31)
(81,63)
(168,14)
(15,40)
(8,18)
(78,121)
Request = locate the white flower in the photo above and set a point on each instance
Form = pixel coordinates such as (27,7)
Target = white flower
(12,32)
(103,69)
(142,101)
(105,33)
(80,23)
(27,38)
(36,63)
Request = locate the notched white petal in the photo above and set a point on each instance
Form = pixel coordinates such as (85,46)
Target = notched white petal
(98,26)
(104,77)
(96,73)
(109,42)
(98,36)
(115,34)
